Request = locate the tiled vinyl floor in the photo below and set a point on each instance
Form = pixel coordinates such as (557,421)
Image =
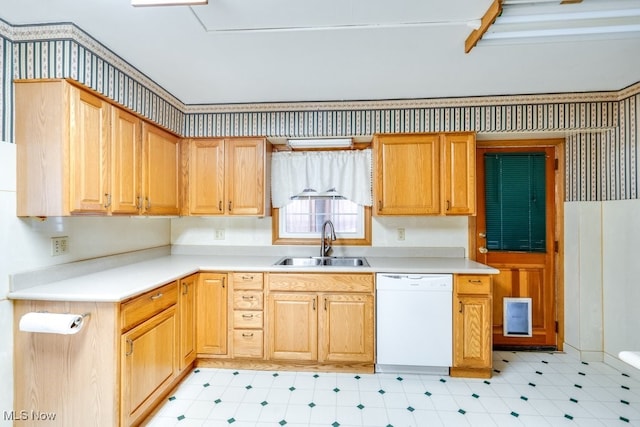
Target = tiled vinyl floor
(527,389)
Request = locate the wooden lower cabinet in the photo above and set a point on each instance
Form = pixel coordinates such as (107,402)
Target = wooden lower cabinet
(211,314)
(328,326)
(113,372)
(187,295)
(149,363)
(472,335)
(293,326)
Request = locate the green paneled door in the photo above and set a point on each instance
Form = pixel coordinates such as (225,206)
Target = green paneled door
(515,201)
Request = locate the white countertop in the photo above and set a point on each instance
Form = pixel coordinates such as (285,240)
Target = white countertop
(120,283)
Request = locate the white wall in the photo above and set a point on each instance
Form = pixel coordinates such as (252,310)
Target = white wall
(602,289)
(26,245)
(433,231)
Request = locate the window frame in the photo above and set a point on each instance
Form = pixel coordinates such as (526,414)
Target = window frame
(277,240)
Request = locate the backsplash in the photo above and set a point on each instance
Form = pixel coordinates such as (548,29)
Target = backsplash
(600,128)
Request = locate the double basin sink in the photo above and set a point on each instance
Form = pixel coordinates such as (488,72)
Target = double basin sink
(323,262)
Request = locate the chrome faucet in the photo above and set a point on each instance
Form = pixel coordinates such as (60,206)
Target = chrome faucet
(325,244)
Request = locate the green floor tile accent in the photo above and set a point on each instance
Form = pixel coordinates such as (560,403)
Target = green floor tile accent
(410,409)
(505,360)
(282,422)
(475,395)
(248,387)
(172,398)
(236,373)
(569,417)
(574,400)
(206,385)
(336,389)
(442,380)
(264,403)
(360,406)
(231,420)
(487,382)
(584,363)
(538,372)
(545,362)
(497,371)
(577,385)
(381,391)
(428,393)
(399,378)
(582,373)
(626,420)
(276,374)
(515,414)
(196,371)
(311,405)
(217,401)
(525,398)
(292,388)
(532,384)
(336,424)
(357,377)
(316,376)
(625,375)
(624,401)
(462,411)
(625,387)
(181,417)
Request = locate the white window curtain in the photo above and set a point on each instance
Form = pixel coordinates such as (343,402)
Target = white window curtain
(349,172)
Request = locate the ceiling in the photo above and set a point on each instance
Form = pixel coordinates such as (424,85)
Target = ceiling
(245,51)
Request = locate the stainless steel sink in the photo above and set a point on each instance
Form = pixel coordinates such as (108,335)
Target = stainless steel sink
(323,261)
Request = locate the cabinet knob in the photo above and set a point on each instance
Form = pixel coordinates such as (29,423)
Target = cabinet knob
(220,205)
(130,351)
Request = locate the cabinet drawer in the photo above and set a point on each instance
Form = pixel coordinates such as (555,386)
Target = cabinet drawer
(143,307)
(247,300)
(247,343)
(247,280)
(247,319)
(473,284)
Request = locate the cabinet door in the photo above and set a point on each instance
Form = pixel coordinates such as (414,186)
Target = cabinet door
(88,152)
(149,363)
(161,158)
(245,165)
(125,163)
(407,174)
(211,317)
(206,177)
(187,304)
(293,326)
(459,185)
(346,328)
(472,331)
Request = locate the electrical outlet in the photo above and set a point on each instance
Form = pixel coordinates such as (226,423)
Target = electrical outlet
(59,245)
(400,233)
(219,234)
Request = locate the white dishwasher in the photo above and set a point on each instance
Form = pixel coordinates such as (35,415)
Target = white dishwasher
(414,323)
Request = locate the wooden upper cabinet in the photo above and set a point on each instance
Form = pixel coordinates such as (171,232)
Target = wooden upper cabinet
(160,171)
(407,174)
(126,150)
(62,137)
(227,176)
(425,174)
(459,177)
(88,152)
(206,177)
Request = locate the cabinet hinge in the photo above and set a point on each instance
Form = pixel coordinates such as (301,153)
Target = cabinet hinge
(556,246)
(557,327)
(555,164)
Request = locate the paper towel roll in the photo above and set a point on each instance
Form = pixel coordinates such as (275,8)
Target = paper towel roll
(52,323)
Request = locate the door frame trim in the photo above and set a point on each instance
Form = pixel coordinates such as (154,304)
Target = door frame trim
(559,146)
